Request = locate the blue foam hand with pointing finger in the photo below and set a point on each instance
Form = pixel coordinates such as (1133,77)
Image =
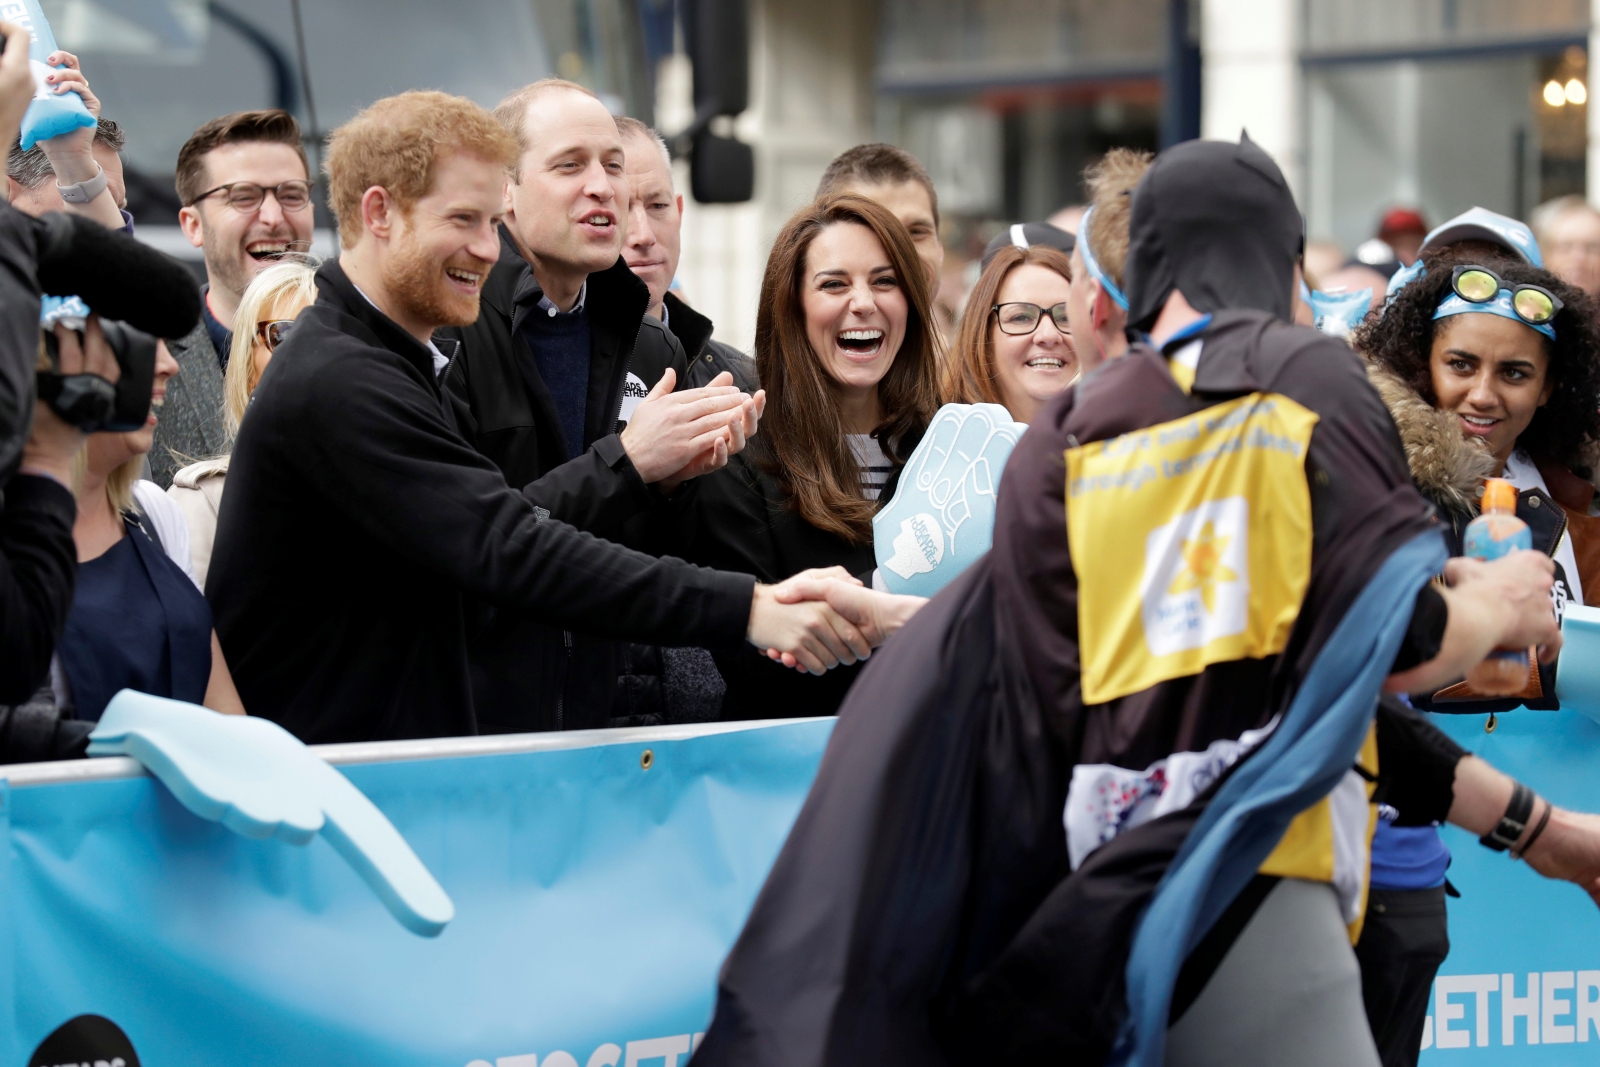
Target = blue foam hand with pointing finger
(942,516)
(50,114)
(260,781)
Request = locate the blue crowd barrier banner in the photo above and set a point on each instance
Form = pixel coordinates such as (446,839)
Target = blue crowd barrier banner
(1521,985)
(598,881)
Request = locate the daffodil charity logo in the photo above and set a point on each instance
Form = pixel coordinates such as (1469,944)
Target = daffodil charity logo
(1191,541)
(1196,585)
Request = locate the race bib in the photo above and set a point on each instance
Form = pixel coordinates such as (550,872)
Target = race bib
(1191,541)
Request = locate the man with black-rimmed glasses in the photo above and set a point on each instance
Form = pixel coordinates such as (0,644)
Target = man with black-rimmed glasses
(245,187)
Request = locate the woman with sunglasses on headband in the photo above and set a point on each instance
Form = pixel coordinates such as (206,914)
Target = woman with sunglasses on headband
(1018,352)
(266,313)
(1491,368)
(1488,365)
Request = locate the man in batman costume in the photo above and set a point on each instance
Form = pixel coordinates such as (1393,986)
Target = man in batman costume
(1118,776)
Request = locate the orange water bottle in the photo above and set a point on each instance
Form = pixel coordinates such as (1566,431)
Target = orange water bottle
(1494,533)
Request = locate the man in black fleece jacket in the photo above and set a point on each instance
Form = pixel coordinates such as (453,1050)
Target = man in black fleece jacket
(567,385)
(359,524)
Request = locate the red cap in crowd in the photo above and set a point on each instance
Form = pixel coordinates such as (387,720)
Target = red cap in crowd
(1399,220)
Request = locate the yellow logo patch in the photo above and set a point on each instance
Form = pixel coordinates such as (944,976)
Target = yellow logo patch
(1192,542)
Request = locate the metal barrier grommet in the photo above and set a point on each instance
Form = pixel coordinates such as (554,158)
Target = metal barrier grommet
(646,759)
(1488,727)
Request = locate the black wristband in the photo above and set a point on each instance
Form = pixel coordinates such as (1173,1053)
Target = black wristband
(1538,829)
(1513,822)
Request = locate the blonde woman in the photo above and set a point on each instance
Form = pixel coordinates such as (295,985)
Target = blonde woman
(266,313)
(138,619)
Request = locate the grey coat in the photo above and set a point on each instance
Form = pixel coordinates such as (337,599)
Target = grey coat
(190,426)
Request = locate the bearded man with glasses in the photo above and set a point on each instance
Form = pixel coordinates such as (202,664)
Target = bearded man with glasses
(247,195)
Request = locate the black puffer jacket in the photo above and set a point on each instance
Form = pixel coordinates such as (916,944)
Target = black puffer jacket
(707,358)
(1449,470)
(527,676)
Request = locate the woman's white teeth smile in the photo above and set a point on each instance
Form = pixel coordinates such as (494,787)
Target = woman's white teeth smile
(1045,363)
(1479,420)
(860,342)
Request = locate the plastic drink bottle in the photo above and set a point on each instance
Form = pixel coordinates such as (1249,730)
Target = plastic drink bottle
(1494,533)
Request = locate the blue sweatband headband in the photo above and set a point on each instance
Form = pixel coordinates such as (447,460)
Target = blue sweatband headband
(1500,305)
(49,114)
(1093,265)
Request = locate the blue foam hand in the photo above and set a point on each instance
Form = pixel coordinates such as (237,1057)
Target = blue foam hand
(1338,314)
(1578,669)
(260,781)
(942,516)
(49,114)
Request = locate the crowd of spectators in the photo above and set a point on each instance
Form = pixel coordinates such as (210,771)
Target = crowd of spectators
(486,472)
(588,397)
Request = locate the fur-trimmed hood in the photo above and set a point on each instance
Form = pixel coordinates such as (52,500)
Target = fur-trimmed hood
(1446,466)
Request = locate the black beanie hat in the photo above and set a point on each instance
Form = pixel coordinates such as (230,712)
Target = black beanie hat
(1217,221)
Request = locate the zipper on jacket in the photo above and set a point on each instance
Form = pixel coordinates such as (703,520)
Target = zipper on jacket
(566,675)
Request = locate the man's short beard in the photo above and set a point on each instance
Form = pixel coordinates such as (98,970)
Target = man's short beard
(226,268)
(416,281)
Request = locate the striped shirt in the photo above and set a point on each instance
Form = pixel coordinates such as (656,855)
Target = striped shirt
(875,466)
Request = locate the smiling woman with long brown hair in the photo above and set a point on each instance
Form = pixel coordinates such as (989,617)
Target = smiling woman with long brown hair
(850,367)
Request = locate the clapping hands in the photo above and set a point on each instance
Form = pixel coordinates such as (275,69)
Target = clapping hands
(675,436)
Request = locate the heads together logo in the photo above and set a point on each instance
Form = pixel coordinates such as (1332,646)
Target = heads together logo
(85,1041)
(1196,585)
(918,547)
(633,392)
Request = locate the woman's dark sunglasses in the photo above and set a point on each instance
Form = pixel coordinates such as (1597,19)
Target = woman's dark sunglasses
(1533,304)
(273,332)
(1019,319)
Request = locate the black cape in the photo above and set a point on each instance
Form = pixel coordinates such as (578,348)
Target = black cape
(922,910)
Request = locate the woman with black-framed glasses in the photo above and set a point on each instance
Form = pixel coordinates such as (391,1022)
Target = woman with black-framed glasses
(266,315)
(1014,346)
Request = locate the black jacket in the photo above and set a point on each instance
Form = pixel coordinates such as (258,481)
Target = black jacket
(707,358)
(360,527)
(38,571)
(527,675)
(738,519)
(505,409)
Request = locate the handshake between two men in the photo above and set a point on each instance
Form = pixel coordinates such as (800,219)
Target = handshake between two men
(813,621)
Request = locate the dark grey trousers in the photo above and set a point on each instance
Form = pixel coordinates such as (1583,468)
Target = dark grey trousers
(1287,994)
